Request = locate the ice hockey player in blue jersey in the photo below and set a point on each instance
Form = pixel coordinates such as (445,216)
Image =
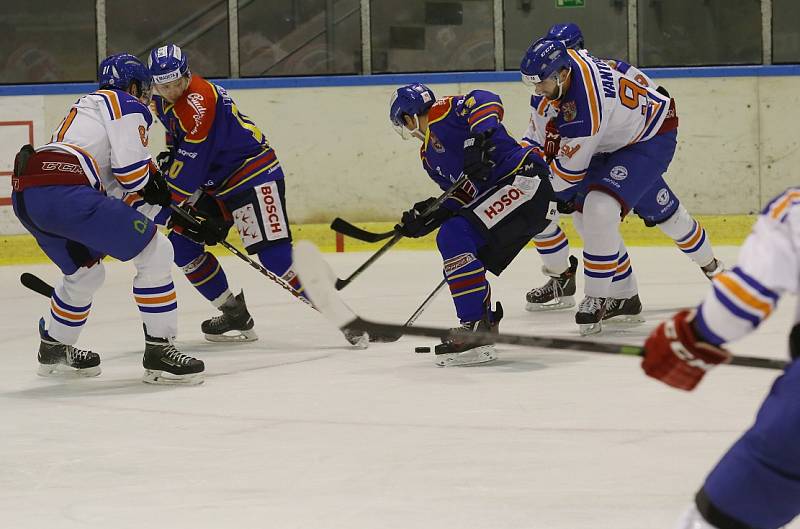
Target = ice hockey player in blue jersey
(756,484)
(68,194)
(486,222)
(662,209)
(220,166)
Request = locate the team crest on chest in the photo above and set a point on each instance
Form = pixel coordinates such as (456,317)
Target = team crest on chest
(435,143)
(569,111)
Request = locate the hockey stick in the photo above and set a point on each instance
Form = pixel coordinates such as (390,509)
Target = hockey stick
(340,225)
(36,284)
(341,283)
(318,279)
(394,336)
(244,257)
(354,337)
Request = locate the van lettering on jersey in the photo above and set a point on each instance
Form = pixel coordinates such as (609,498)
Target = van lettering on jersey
(606,77)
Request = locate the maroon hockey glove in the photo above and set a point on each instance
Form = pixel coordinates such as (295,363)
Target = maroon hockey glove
(552,141)
(675,355)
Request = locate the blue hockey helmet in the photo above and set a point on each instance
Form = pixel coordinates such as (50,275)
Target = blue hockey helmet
(409,100)
(544,59)
(121,70)
(569,34)
(167,63)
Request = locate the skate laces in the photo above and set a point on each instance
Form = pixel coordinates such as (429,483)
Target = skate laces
(591,304)
(75,354)
(171,352)
(552,284)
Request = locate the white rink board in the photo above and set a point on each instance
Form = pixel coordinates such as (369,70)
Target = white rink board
(297,431)
(737,143)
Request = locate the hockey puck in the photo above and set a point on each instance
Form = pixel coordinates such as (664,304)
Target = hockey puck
(422,349)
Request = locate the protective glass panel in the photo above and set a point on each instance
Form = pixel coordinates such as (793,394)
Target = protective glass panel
(47,41)
(199,27)
(785,33)
(299,37)
(432,36)
(699,32)
(604,26)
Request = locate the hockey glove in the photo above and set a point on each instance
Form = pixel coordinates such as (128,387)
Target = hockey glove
(552,141)
(415,224)
(164,161)
(156,191)
(212,223)
(675,354)
(478,150)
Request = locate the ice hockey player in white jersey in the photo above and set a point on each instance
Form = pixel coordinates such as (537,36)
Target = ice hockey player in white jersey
(616,139)
(661,208)
(756,484)
(68,194)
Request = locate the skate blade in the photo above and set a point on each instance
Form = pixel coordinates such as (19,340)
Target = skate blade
(585,329)
(64,371)
(163,378)
(565,302)
(359,340)
(480,355)
(625,319)
(242,336)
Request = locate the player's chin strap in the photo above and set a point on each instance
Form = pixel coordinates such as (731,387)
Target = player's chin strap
(560,84)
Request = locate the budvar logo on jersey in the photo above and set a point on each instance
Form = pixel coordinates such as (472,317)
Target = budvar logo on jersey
(272,211)
(499,205)
(196,102)
(247,225)
(61,166)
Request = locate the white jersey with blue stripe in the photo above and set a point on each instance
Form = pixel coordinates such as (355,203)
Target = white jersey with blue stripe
(601,111)
(768,267)
(107,131)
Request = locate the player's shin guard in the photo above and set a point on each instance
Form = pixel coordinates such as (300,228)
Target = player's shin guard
(691,238)
(553,248)
(71,302)
(153,289)
(602,241)
(277,258)
(201,269)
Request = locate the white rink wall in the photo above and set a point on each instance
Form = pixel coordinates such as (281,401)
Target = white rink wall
(738,143)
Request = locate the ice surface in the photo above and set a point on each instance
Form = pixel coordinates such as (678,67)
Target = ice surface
(299,431)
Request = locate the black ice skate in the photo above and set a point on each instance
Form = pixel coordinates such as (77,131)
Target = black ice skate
(455,351)
(557,293)
(713,268)
(56,358)
(590,314)
(234,324)
(164,364)
(627,310)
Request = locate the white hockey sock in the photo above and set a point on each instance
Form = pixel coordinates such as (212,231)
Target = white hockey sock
(624,284)
(71,302)
(153,289)
(553,248)
(602,241)
(689,236)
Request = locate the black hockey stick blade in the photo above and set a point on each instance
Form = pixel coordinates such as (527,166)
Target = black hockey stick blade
(36,284)
(319,279)
(345,228)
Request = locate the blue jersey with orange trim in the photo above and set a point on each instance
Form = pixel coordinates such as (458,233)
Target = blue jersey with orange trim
(768,267)
(215,146)
(450,121)
(107,131)
(602,111)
